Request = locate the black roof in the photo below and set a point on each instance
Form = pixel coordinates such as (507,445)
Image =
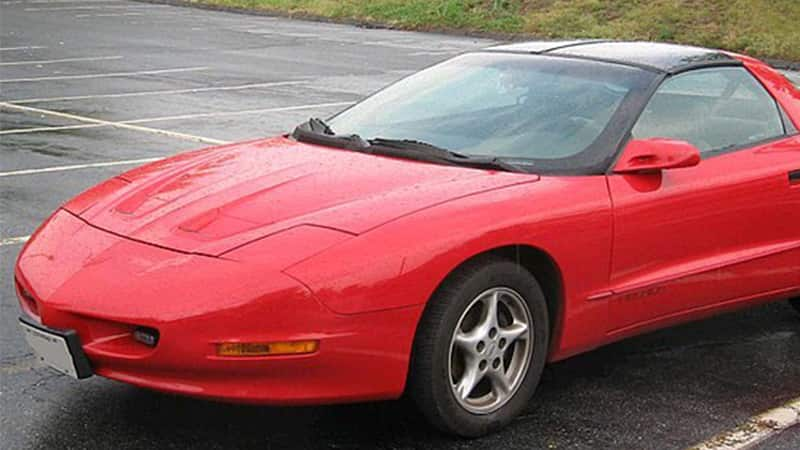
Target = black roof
(669,58)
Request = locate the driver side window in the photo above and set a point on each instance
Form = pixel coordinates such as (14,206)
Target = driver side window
(713,109)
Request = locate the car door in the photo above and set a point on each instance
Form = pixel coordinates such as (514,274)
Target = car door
(725,230)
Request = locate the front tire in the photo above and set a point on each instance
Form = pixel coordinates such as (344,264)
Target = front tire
(796,303)
(480,348)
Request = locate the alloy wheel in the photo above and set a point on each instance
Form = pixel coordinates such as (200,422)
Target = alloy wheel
(490,350)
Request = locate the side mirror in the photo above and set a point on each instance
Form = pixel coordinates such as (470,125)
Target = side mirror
(657,154)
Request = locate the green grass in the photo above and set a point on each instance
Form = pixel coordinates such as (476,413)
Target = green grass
(763,28)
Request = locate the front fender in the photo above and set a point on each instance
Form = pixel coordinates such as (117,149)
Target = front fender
(402,263)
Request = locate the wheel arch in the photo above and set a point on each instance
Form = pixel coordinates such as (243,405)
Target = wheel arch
(545,269)
(540,264)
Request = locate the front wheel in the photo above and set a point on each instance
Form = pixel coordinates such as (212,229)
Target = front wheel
(480,348)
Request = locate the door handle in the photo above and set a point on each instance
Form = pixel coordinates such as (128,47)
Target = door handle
(794,177)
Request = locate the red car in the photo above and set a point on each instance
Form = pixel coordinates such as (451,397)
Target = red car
(447,236)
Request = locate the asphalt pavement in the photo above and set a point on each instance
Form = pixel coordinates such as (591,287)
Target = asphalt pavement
(91,88)
(788,440)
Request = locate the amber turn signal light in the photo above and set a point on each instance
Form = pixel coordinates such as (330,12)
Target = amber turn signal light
(266,348)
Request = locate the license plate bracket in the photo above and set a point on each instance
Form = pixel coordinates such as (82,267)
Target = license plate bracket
(59,349)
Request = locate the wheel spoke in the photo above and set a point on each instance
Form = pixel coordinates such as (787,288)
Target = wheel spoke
(471,377)
(467,342)
(490,312)
(501,385)
(516,330)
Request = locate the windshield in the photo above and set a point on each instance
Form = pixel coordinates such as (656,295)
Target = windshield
(551,114)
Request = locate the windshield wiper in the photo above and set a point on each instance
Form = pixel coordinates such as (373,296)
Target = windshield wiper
(413,145)
(426,151)
(314,125)
(318,125)
(316,131)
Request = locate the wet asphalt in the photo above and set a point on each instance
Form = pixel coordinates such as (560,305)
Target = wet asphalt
(788,440)
(190,76)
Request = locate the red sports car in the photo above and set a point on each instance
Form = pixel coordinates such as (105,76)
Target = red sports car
(446,237)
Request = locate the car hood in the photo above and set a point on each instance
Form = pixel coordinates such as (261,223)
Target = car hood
(218,199)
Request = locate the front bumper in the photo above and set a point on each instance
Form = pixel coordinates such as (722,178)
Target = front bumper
(104,287)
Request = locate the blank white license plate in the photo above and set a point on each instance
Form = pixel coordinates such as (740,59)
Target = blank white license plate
(52,348)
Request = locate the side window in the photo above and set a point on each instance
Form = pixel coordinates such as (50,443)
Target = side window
(714,109)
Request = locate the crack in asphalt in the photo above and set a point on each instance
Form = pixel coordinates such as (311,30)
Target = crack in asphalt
(41,379)
(19,364)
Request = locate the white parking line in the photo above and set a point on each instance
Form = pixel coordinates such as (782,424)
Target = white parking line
(128,162)
(56,128)
(26,47)
(105,75)
(131,124)
(96,122)
(237,113)
(162,92)
(57,61)
(756,430)
(14,240)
